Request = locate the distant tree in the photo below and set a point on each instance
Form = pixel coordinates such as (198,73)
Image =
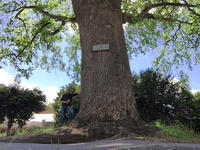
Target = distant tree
(57,102)
(18,104)
(3,91)
(197,96)
(191,115)
(158,97)
(185,105)
(186,95)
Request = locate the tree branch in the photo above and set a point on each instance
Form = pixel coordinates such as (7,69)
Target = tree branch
(175,34)
(166,4)
(188,6)
(32,39)
(56,17)
(145,12)
(126,18)
(17,16)
(63,19)
(151,16)
(58,30)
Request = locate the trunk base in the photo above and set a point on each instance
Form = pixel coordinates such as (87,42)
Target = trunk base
(101,129)
(77,133)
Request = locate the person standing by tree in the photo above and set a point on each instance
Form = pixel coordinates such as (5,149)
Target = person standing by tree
(66,105)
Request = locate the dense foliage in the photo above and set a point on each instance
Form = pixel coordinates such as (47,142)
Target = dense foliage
(191,116)
(18,104)
(57,102)
(32,31)
(159,97)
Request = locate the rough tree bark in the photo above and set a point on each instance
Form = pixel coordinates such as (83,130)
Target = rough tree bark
(107,93)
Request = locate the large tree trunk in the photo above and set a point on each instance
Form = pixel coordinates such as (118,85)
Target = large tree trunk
(107,93)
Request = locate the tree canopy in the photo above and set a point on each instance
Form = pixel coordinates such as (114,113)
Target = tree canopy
(160,97)
(34,33)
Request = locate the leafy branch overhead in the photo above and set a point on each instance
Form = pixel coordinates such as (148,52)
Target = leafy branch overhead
(171,27)
(33,30)
(150,11)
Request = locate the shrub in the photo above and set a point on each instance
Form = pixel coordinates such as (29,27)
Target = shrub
(158,97)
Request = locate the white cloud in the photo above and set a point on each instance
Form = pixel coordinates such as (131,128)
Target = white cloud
(194,91)
(174,80)
(29,86)
(50,92)
(6,78)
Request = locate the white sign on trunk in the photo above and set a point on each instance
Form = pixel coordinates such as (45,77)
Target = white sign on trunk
(101,47)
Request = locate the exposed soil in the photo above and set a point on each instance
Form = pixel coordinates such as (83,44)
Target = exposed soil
(70,135)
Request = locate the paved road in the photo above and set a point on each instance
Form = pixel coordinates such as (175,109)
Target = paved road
(103,145)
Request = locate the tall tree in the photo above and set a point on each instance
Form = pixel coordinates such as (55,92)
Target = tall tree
(107,93)
(18,104)
(197,96)
(3,90)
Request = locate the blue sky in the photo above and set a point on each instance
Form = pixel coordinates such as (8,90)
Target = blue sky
(144,61)
(50,83)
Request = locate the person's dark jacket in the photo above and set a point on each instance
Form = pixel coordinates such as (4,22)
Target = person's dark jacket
(66,96)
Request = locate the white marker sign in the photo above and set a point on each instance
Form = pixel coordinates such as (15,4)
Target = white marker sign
(101,47)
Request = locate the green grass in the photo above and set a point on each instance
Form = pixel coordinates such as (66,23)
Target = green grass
(178,131)
(42,130)
(34,130)
(2,134)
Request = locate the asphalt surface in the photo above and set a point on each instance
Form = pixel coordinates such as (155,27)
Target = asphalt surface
(103,145)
